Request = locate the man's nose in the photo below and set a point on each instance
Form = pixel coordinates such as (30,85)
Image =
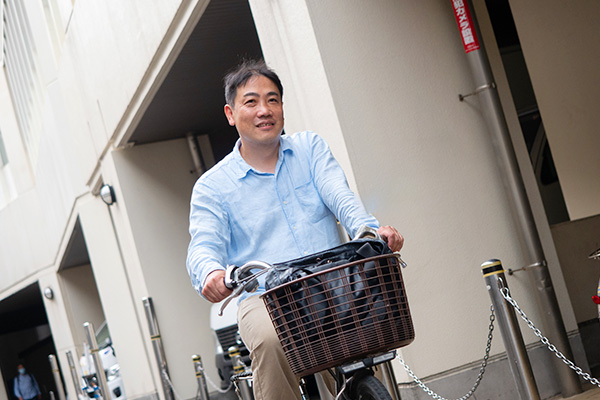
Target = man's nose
(264,110)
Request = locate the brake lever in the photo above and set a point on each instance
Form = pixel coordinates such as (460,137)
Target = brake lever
(240,279)
(236,292)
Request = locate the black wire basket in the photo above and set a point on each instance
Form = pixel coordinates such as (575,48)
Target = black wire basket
(341,314)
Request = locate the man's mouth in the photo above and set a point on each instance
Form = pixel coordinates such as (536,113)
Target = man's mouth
(265,124)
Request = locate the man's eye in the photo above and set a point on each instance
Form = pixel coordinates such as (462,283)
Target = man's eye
(274,100)
(250,102)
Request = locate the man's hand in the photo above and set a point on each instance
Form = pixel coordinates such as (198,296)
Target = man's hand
(394,240)
(214,288)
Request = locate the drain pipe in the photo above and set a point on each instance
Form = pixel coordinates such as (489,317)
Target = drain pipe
(539,274)
(199,164)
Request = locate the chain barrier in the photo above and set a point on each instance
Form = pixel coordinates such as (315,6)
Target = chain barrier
(218,389)
(470,393)
(168,380)
(506,294)
(178,397)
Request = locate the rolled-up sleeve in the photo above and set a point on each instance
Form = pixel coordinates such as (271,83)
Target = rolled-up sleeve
(210,236)
(333,188)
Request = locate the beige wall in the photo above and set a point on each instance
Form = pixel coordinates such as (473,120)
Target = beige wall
(80,109)
(115,290)
(560,44)
(60,324)
(81,300)
(420,158)
(155,182)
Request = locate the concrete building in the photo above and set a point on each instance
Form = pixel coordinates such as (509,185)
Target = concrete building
(112,92)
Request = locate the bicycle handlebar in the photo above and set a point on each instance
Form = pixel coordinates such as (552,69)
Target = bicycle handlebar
(240,279)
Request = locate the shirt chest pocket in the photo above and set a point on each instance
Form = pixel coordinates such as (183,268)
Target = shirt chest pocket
(310,202)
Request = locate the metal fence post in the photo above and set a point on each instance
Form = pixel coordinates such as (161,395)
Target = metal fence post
(100,374)
(199,368)
(159,350)
(76,380)
(493,275)
(243,385)
(57,380)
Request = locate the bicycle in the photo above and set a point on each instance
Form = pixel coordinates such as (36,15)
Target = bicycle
(345,319)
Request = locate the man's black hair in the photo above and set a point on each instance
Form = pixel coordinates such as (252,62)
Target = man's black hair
(242,73)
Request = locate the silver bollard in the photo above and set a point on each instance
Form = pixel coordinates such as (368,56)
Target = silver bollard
(199,368)
(76,380)
(57,380)
(90,333)
(159,350)
(493,275)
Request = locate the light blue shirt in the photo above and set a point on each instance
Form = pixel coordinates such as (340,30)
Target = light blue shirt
(26,387)
(239,214)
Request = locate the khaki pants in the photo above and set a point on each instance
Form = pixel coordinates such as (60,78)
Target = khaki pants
(272,377)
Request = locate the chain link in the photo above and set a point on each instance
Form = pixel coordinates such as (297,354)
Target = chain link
(488,346)
(506,294)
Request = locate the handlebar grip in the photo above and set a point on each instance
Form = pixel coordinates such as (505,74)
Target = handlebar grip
(366,232)
(229,279)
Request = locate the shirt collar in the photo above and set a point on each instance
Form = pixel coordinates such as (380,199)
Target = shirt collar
(242,168)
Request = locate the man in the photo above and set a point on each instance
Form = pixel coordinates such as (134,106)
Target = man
(273,198)
(25,386)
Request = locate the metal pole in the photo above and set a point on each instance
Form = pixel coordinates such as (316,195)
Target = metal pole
(390,378)
(199,164)
(199,368)
(243,385)
(100,374)
(159,350)
(57,380)
(518,360)
(76,380)
(539,274)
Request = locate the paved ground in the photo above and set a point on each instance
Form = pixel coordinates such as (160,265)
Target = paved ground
(589,394)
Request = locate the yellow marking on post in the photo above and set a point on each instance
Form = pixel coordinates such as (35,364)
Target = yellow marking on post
(494,273)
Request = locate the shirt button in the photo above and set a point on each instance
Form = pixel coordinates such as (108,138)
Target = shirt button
(285,202)
(294,227)
(305,252)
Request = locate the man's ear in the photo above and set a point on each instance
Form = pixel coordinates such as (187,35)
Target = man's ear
(229,114)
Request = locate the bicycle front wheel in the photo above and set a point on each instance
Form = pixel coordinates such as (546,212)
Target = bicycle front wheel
(369,388)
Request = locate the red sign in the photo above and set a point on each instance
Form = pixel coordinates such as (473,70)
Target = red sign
(465,25)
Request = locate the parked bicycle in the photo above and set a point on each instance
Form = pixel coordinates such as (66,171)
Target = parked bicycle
(335,313)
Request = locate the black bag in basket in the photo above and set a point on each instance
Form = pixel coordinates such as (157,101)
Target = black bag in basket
(340,291)
(358,249)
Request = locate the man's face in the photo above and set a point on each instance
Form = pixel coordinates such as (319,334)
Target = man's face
(257,113)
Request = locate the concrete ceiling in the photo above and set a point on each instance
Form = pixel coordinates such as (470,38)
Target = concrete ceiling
(23,310)
(191,97)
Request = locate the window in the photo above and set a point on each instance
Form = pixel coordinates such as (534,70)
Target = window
(20,61)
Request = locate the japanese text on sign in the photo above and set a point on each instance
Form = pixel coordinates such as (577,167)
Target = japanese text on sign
(465,25)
